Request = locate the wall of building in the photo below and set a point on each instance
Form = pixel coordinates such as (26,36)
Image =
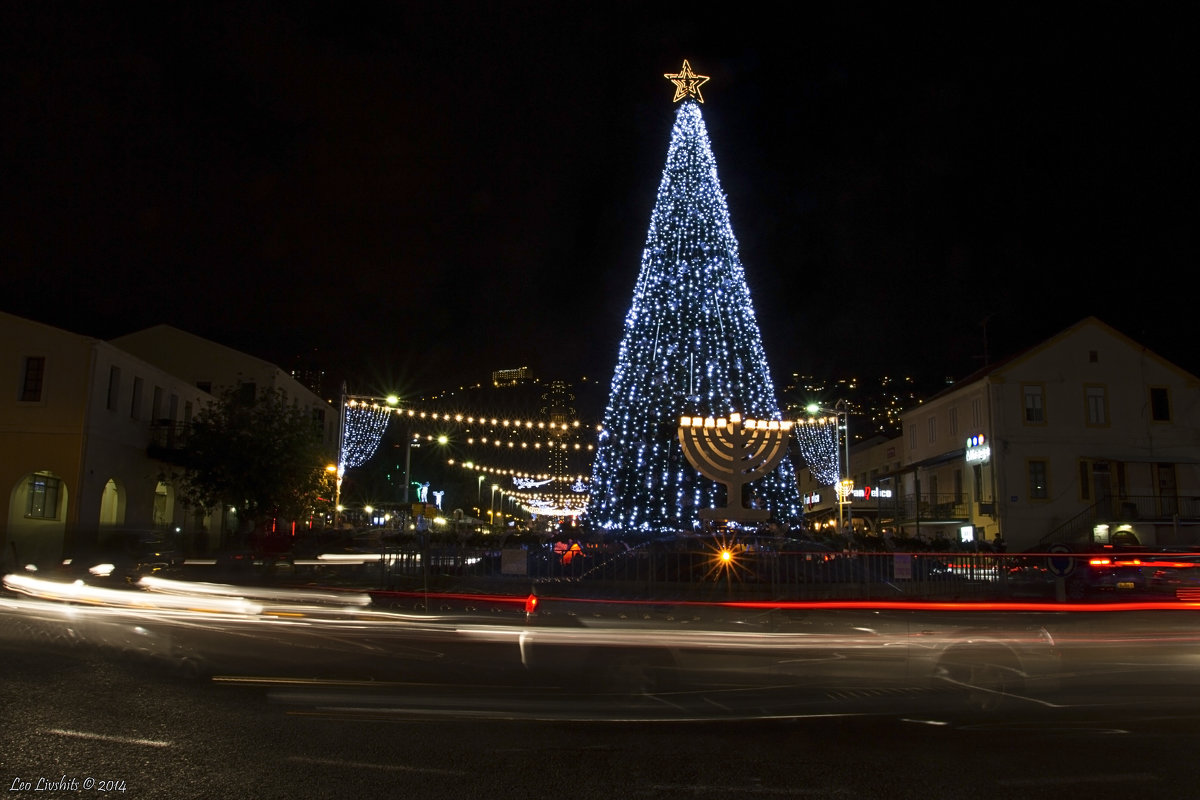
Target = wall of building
(217,368)
(1069,374)
(85,431)
(43,435)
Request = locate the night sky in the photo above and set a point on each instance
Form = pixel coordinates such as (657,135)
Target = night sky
(411,195)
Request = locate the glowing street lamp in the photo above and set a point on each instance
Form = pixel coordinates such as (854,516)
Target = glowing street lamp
(338,471)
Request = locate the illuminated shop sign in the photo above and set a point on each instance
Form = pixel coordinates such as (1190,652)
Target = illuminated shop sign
(861,493)
(978,450)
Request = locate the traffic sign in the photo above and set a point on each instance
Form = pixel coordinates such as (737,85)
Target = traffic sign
(1063,565)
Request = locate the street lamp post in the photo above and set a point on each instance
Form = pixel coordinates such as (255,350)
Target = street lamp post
(492,507)
(843,407)
(412,442)
(338,471)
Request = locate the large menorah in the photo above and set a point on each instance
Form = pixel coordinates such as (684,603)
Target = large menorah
(734,453)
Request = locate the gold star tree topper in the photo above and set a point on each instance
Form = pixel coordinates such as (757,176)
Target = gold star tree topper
(687,83)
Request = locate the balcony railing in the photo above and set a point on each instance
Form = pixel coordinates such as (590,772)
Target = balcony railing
(925,506)
(1152,509)
(167,438)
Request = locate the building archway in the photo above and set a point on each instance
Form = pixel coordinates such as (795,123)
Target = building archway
(164,505)
(112,505)
(37,518)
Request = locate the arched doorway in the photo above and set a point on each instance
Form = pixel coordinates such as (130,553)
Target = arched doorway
(112,505)
(164,505)
(37,513)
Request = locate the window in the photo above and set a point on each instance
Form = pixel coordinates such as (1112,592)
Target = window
(977,413)
(1038,488)
(912,438)
(31,380)
(1085,480)
(156,405)
(1160,404)
(135,405)
(1035,409)
(953,422)
(932,430)
(1096,400)
(42,499)
(114,387)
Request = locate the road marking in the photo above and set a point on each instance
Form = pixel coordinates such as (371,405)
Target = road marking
(333,762)
(102,737)
(1128,777)
(726,791)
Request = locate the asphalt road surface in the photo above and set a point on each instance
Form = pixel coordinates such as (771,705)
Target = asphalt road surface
(91,723)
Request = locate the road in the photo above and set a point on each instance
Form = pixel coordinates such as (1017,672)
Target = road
(78,714)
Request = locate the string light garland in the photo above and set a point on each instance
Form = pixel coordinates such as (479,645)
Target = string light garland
(691,346)
(363,426)
(570,501)
(573,480)
(530,483)
(365,420)
(818,439)
(369,419)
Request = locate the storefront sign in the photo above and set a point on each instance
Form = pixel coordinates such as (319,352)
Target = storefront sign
(978,450)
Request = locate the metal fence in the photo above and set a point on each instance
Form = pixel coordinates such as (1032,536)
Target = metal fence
(757,571)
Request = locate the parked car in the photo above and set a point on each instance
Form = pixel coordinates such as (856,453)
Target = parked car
(1176,573)
(125,555)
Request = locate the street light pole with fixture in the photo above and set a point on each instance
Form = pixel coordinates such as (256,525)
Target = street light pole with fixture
(491,507)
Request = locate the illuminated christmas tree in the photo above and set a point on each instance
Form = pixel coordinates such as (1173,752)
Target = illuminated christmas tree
(691,346)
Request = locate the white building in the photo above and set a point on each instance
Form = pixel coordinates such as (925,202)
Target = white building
(76,419)
(216,368)
(83,423)
(1087,437)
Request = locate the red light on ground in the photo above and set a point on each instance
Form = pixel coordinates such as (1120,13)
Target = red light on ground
(531,604)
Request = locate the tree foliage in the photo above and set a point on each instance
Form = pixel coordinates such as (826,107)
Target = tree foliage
(262,456)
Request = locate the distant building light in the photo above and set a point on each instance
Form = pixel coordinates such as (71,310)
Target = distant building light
(511,377)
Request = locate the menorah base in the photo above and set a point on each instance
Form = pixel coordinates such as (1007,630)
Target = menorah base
(736,514)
